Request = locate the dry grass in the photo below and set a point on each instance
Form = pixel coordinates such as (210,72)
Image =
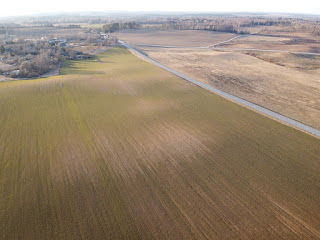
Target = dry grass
(276,43)
(188,38)
(298,61)
(78,162)
(292,92)
(282,32)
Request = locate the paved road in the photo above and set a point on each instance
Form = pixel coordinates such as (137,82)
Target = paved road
(248,104)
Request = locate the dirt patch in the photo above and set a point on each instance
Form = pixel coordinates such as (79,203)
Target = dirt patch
(151,147)
(121,86)
(174,140)
(150,107)
(73,163)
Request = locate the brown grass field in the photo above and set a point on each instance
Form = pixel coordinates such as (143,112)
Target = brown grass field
(292,92)
(276,43)
(185,38)
(116,148)
(281,31)
(290,41)
(297,61)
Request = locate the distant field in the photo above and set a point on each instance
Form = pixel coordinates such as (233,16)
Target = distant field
(276,43)
(282,32)
(116,148)
(152,25)
(38,32)
(91,25)
(188,38)
(297,61)
(292,92)
(199,38)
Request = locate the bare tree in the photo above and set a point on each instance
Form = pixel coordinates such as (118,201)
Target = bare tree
(26,69)
(42,62)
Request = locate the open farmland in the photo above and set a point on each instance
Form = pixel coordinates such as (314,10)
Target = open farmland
(287,43)
(281,31)
(185,38)
(58,32)
(297,61)
(116,148)
(284,89)
(200,38)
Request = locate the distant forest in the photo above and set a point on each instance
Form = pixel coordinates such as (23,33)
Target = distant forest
(221,24)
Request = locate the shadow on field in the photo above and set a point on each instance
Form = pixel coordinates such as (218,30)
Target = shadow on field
(78,66)
(306,56)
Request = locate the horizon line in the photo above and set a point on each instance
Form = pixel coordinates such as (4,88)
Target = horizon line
(169,12)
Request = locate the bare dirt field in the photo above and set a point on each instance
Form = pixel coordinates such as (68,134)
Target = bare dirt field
(298,61)
(190,38)
(122,149)
(275,43)
(292,92)
(282,32)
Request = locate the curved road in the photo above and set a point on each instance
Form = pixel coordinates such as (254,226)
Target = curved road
(248,104)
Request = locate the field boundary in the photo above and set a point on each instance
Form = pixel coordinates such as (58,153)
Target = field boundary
(265,50)
(274,115)
(216,47)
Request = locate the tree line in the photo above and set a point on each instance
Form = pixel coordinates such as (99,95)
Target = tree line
(232,24)
(112,27)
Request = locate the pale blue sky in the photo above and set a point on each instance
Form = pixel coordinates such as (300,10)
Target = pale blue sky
(24,7)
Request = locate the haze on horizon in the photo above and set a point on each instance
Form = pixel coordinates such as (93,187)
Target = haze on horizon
(22,7)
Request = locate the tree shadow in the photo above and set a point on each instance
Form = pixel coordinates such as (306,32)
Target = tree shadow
(72,67)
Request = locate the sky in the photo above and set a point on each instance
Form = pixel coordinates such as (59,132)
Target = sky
(27,7)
